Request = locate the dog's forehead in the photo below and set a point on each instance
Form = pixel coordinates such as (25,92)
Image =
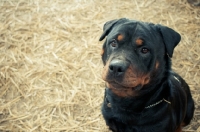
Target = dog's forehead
(135,28)
(132,31)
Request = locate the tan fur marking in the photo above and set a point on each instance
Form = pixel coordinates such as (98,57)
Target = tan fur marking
(105,71)
(102,51)
(120,37)
(139,41)
(157,65)
(121,92)
(131,79)
(179,129)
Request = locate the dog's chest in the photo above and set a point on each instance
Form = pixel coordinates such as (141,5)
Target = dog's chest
(123,113)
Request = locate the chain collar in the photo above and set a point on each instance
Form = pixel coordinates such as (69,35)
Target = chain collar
(152,105)
(147,107)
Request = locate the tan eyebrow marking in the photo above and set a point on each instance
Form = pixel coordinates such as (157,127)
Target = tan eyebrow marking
(139,41)
(120,37)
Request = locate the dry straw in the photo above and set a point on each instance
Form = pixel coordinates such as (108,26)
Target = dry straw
(50,64)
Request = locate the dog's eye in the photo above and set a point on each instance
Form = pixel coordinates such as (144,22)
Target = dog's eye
(113,43)
(144,50)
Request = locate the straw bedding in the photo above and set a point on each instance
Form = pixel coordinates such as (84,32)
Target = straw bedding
(50,63)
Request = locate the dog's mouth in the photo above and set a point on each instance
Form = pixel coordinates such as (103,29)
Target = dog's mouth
(129,78)
(117,86)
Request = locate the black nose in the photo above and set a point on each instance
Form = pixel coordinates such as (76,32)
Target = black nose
(118,67)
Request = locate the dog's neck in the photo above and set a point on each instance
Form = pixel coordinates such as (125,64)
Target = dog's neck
(147,99)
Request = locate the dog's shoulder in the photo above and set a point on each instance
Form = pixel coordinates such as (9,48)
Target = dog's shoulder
(177,86)
(178,96)
(177,81)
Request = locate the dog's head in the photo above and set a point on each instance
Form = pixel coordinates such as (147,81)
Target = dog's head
(134,54)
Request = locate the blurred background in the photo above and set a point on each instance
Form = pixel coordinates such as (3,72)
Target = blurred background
(50,62)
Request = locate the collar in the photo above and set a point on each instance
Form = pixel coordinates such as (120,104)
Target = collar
(109,105)
(152,105)
(157,103)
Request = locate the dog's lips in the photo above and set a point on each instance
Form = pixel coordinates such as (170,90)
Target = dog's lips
(117,86)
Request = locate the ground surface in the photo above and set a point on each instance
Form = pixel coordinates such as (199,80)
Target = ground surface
(50,64)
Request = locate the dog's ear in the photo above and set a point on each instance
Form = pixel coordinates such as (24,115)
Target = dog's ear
(108,27)
(170,37)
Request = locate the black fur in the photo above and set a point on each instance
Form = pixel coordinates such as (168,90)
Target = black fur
(129,114)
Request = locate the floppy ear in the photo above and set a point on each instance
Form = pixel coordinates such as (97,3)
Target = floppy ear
(108,27)
(170,37)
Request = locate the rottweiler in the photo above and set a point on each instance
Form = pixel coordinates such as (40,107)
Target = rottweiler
(143,93)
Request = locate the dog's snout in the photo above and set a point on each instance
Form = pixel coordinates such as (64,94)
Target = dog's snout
(118,67)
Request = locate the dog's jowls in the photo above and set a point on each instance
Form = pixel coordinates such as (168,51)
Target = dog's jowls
(142,92)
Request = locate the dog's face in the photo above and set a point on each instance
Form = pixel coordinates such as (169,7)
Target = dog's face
(133,53)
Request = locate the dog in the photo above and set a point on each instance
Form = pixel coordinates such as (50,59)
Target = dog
(143,93)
